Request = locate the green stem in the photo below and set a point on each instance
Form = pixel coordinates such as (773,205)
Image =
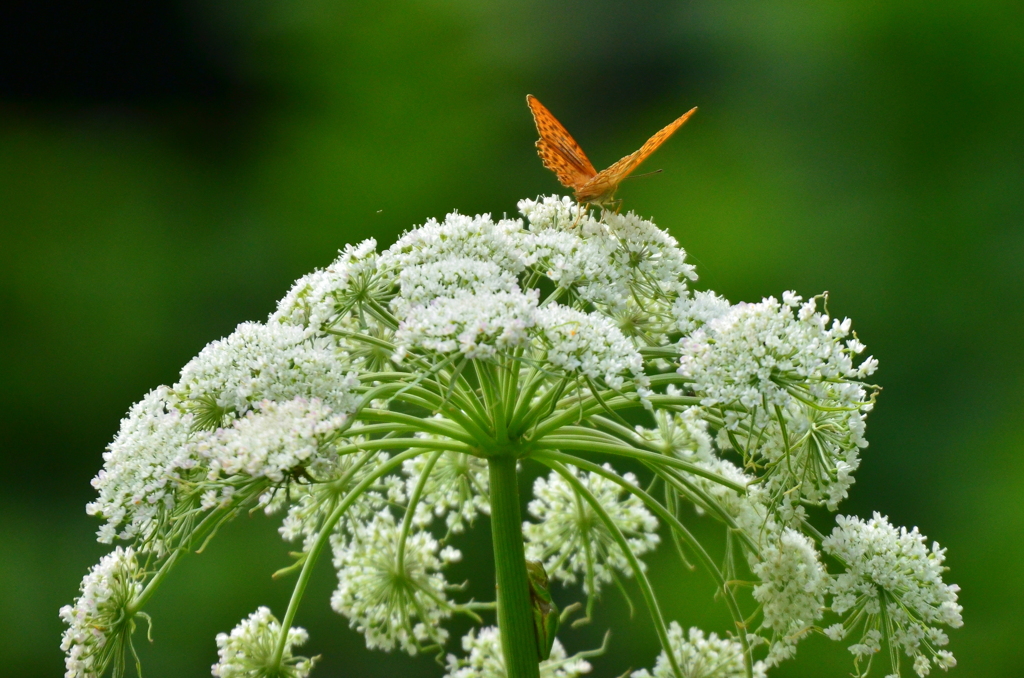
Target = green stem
(209,522)
(569,412)
(325,534)
(515,614)
(554,459)
(531,411)
(550,460)
(409,392)
(459,408)
(436,426)
(383,314)
(399,443)
(492,400)
(452,386)
(136,605)
(534,380)
(510,370)
(363,337)
(554,443)
(410,510)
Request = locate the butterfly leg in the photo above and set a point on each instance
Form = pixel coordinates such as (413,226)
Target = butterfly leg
(607,207)
(580,213)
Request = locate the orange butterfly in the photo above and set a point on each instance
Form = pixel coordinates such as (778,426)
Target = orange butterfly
(563,156)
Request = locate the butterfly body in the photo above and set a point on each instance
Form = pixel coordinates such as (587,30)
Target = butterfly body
(562,155)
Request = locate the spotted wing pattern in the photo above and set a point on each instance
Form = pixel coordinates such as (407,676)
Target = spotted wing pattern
(558,150)
(603,185)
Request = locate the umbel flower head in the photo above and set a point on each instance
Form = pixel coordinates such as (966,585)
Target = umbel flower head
(399,398)
(101,620)
(248,651)
(570,538)
(892,589)
(700,656)
(390,585)
(484,659)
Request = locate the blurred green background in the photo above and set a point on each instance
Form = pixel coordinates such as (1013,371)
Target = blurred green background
(168,168)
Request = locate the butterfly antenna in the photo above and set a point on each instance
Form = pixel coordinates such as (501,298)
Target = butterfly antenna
(646,174)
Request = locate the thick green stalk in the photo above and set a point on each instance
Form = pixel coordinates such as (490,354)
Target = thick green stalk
(515,615)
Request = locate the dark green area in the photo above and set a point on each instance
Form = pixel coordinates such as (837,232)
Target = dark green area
(874,150)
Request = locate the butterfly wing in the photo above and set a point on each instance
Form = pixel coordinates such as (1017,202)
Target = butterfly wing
(558,150)
(605,182)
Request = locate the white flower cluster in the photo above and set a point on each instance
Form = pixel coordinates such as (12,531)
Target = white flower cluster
(588,344)
(387,579)
(157,461)
(264,362)
(418,285)
(680,434)
(754,355)
(654,258)
(606,261)
(272,441)
(893,581)
(554,212)
(572,261)
(580,258)
(478,325)
(569,536)
(100,622)
(403,373)
(485,659)
(258,404)
(691,312)
(138,483)
(701,656)
(730,494)
(784,376)
(459,291)
(248,651)
(317,299)
(745,512)
(815,450)
(456,489)
(791,591)
(458,237)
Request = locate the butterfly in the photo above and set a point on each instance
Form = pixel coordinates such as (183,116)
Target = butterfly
(562,155)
